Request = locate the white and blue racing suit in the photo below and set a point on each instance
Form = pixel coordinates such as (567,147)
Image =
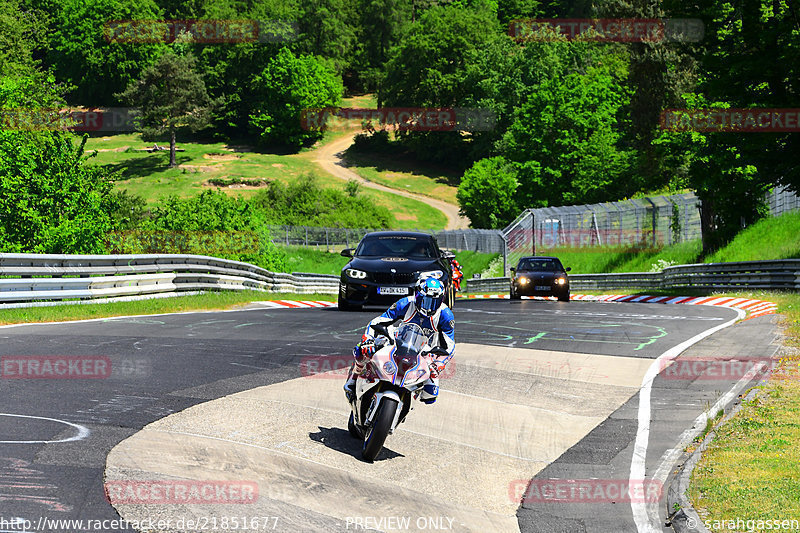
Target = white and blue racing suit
(439,327)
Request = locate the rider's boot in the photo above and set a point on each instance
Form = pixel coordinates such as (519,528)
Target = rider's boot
(430,391)
(350,384)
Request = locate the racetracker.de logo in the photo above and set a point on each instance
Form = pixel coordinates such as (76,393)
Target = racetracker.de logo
(52,119)
(747,120)
(400,118)
(630,30)
(585,491)
(711,369)
(55,367)
(181,492)
(337,367)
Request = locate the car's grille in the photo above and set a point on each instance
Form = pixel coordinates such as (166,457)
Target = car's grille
(399,278)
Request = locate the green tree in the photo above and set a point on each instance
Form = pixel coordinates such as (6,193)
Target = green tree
(566,134)
(85,54)
(327,30)
(731,189)
(22,31)
(52,202)
(487,193)
(279,95)
(171,95)
(382,24)
(438,63)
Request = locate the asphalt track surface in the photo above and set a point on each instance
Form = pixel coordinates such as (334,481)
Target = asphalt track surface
(540,389)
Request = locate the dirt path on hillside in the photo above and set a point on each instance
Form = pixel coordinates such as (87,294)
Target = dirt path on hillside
(329,157)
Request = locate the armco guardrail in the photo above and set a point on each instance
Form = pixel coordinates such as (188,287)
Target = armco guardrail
(781,274)
(28,277)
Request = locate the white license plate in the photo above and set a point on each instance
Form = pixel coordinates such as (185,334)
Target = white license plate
(542,287)
(402,291)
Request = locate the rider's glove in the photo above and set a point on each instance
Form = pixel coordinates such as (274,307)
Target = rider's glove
(436,367)
(367,348)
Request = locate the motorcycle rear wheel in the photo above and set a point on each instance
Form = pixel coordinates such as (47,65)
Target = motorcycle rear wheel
(379,430)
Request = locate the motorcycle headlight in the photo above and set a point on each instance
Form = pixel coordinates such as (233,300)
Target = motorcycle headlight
(355,274)
(432,274)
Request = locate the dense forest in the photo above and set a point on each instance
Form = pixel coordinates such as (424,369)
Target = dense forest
(576,119)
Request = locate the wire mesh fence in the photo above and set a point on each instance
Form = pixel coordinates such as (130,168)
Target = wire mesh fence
(782,201)
(476,240)
(650,222)
(643,222)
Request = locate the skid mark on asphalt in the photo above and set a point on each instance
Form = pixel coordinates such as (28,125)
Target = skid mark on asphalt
(27,485)
(455,459)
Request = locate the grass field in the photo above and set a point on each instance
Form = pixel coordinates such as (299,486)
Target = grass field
(147,174)
(399,173)
(770,238)
(751,470)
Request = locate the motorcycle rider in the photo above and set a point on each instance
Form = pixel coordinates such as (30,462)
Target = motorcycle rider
(457,274)
(425,308)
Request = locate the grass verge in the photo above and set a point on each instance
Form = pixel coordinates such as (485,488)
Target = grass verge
(398,172)
(209,301)
(751,470)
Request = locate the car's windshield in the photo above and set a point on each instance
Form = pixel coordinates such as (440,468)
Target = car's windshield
(540,265)
(397,246)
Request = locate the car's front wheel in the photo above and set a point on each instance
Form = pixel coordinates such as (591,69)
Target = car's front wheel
(563,297)
(343,305)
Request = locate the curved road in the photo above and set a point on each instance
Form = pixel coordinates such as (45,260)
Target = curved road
(328,157)
(538,388)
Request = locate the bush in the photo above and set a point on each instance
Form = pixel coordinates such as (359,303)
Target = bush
(211,223)
(52,202)
(306,203)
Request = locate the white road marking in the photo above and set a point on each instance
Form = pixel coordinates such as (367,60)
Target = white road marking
(644,523)
(83,431)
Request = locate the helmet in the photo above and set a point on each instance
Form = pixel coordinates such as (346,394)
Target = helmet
(429,295)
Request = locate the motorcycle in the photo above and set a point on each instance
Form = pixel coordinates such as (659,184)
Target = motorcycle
(457,275)
(384,391)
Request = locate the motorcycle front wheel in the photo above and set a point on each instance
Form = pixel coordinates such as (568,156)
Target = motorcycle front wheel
(379,430)
(351,427)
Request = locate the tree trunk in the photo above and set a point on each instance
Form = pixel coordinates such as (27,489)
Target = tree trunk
(707,226)
(172,160)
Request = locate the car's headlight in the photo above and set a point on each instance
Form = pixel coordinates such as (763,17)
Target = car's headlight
(355,274)
(522,281)
(431,274)
(560,281)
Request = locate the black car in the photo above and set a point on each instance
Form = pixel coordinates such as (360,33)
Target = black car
(386,265)
(540,276)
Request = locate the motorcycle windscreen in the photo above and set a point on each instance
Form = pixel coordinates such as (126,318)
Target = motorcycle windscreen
(410,340)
